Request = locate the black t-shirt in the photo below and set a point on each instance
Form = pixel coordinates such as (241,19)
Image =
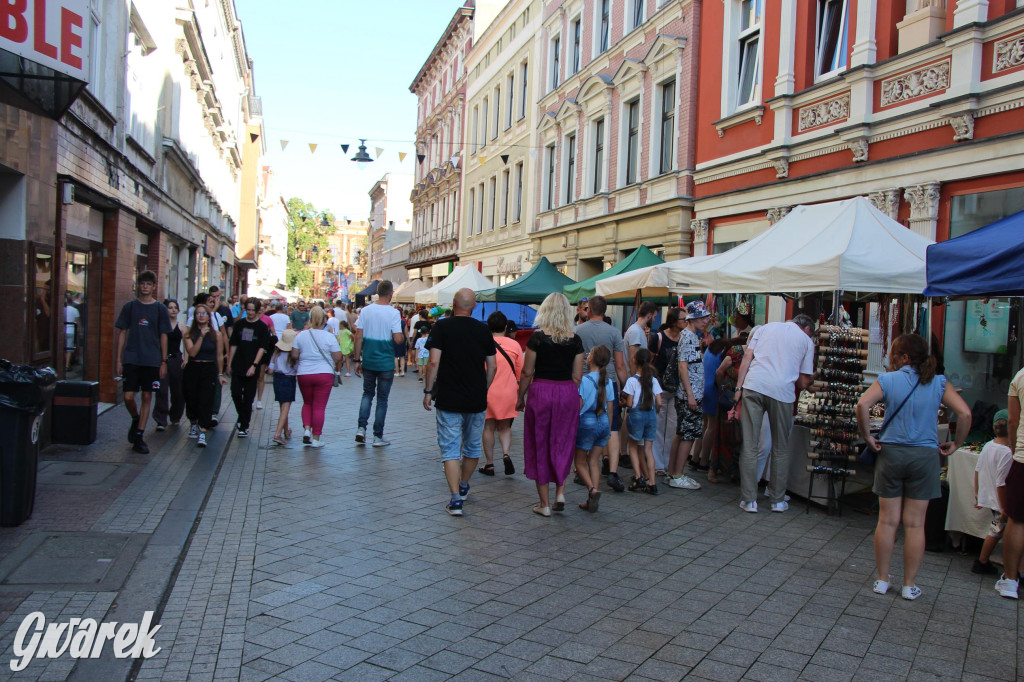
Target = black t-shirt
(465,345)
(421,324)
(662,353)
(144,322)
(554,360)
(225,312)
(249,337)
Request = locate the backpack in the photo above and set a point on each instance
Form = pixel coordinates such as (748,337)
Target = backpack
(670,375)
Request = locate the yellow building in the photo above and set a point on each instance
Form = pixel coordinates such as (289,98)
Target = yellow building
(498,206)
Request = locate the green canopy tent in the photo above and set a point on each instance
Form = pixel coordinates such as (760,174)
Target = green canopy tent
(533,287)
(640,258)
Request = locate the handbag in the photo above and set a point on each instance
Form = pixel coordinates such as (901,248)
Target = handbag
(327,358)
(867,455)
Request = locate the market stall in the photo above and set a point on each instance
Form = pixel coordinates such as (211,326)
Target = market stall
(406,291)
(532,287)
(987,262)
(642,257)
(462,277)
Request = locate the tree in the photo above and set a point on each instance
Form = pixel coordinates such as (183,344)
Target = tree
(307,242)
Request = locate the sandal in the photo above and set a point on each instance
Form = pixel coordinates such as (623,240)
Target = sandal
(638,485)
(712,476)
(510,468)
(559,504)
(487,470)
(593,499)
(542,511)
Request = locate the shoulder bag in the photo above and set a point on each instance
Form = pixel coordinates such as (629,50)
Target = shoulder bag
(325,356)
(868,455)
(511,365)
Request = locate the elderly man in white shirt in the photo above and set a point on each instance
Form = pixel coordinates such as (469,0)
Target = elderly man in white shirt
(777,365)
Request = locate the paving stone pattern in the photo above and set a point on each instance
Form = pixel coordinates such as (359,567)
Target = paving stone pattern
(341,563)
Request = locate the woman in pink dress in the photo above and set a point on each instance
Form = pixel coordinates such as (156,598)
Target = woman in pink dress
(501,396)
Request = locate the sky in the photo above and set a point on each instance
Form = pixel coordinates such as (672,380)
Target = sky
(333,71)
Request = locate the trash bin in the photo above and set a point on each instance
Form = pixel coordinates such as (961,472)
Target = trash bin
(25,394)
(75,407)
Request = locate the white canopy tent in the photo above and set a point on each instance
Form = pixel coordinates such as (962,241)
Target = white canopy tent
(844,245)
(462,277)
(268,292)
(406,291)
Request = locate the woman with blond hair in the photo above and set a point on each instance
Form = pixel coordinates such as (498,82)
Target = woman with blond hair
(548,390)
(316,353)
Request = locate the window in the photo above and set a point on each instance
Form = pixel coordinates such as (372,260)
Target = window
(497,111)
(668,125)
(570,168)
(472,209)
(636,12)
(632,139)
(480,211)
(522,89)
(830,54)
(476,130)
(454,204)
(603,26)
(750,51)
(483,138)
(493,197)
(510,83)
(556,49)
(576,36)
(549,193)
(517,212)
(503,216)
(598,155)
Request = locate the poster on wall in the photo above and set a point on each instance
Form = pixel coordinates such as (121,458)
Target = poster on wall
(987,326)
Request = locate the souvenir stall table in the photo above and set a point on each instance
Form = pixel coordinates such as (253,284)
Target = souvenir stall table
(843,246)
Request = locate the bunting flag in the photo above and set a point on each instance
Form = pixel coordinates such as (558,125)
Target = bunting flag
(344,149)
(379,151)
(533,154)
(401,156)
(312,147)
(421,157)
(284,143)
(504,159)
(253,137)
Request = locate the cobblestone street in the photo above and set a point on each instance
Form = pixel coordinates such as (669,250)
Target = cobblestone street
(341,564)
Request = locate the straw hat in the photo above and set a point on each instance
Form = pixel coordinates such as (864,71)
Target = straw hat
(286,340)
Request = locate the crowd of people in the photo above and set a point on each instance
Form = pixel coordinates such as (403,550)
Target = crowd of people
(667,403)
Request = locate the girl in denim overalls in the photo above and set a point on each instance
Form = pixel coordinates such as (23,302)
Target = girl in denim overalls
(595,423)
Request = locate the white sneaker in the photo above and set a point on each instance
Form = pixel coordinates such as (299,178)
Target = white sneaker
(194,431)
(379,442)
(749,507)
(881,586)
(910,592)
(201,440)
(259,404)
(307,436)
(1006,588)
(780,507)
(316,443)
(684,482)
(361,435)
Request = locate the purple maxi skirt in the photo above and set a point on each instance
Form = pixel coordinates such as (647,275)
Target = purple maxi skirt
(549,430)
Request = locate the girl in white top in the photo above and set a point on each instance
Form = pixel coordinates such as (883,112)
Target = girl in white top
(282,368)
(642,395)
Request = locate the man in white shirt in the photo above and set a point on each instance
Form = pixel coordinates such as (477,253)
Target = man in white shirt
(777,365)
(339,310)
(280,319)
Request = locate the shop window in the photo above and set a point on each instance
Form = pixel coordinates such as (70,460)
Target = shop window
(41,307)
(833,26)
(749,75)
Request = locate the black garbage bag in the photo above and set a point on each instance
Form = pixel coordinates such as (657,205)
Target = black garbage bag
(26,388)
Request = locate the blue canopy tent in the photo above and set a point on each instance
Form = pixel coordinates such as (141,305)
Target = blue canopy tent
(987,262)
(519,313)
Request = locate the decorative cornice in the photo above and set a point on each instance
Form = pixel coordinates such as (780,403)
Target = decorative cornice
(920,82)
(776,214)
(1008,53)
(924,201)
(963,127)
(859,149)
(781,168)
(824,113)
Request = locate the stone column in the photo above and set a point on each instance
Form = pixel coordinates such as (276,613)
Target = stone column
(924,208)
(776,214)
(887,201)
(700,236)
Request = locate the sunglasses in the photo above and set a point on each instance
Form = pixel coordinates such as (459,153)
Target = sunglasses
(202,312)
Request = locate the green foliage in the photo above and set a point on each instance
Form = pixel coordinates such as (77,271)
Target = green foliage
(305,231)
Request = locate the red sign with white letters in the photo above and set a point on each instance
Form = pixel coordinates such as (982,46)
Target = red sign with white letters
(53,33)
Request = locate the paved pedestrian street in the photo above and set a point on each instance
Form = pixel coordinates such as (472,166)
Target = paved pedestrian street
(341,563)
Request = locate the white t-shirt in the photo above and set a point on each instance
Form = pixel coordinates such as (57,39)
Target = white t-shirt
(1017,390)
(993,465)
(280,321)
(782,352)
(334,325)
(339,313)
(421,348)
(71,316)
(633,388)
(280,364)
(311,360)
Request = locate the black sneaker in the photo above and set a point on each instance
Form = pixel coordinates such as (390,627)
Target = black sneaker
(139,445)
(243,433)
(983,568)
(132,429)
(214,421)
(605,467)
(615,483)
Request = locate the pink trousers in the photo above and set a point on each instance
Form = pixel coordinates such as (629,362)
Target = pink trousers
(315,389)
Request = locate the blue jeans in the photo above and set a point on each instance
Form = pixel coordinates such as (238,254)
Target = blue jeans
(460,434)
(379,382)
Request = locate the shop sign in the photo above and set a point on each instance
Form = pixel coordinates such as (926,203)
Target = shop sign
(48,32)
(511,266)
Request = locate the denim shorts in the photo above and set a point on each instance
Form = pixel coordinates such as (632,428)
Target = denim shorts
(593,431)
(460,434)
(642,425)
(284,387)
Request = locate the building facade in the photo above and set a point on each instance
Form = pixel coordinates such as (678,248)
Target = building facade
(914,104)
(342,271)
(157,164)
(440,89)
(390,218)
(617,85)
(498,197)
(273,250)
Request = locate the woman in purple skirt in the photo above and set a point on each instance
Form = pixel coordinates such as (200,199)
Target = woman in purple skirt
(552,371)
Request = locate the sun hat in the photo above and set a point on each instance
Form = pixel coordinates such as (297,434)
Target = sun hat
(695,310)
(287,339)
(1001,416)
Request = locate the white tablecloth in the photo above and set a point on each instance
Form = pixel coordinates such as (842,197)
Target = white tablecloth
(961,516)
